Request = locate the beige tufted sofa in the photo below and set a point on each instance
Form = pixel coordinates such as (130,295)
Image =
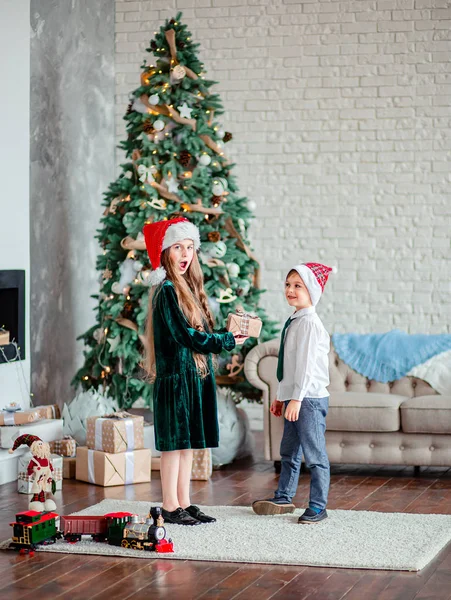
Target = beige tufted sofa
(401,423)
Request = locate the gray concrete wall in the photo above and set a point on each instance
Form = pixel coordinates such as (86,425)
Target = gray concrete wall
(72,162)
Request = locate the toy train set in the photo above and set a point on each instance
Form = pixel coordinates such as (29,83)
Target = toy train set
(32,529)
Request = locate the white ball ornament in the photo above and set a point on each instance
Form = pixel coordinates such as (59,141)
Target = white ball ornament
(215,250)
(217,189)
(252,205)
(137,265)
(220,133)
(204,160)
(116,288)
(158,125)
(154,99)
(233,269)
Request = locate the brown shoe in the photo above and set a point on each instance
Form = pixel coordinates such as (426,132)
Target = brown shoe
(273,506)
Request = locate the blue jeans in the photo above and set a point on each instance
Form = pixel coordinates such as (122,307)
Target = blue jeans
(306,436)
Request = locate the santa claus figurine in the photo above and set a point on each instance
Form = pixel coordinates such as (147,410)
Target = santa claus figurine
(40,469)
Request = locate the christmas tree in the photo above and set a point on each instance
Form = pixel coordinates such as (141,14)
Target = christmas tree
(176,164)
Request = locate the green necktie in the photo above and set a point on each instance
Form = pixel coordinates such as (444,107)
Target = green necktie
(280,361)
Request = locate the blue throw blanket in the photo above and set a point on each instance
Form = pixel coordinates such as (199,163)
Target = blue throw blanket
(388,356)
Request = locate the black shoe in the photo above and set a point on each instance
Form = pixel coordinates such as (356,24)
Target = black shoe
(310,516)
(178,517)
(196,513)
(273,506)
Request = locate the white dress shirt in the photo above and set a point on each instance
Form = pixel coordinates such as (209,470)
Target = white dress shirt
(306,358)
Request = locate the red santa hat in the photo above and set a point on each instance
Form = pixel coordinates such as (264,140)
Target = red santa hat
(25,439)
(315,276)
(161,235)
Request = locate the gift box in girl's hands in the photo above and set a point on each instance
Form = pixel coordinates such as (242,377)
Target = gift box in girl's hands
(242,323)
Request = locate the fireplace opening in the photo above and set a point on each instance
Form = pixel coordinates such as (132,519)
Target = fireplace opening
(12,314)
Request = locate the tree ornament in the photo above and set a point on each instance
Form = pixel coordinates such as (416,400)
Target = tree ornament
(128,174)
(127,311)
(154,99)
(107,274)
(204,160)
(158,125)
(99,334)
(181,45)
(214,306)
(220,133)
(242,226)
(129,107)
(114,342)
(158,203)
(127,272)
(227,137)
(146,173)
(184,158)
(214,236)
(177,74)
(233,269)
(138,265)
(217,188)
(216,201)
(148,127)
(172,186)
(116,288)
(252,205)
(185,111)
(215,250)
(244,286)
(153,45)
(226,296)
(145,277)
(222,181)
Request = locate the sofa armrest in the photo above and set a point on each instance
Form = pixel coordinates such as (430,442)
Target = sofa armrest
(253,359)
(260,367)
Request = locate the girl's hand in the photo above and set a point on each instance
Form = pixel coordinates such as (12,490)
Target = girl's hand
(292,410)
(240,339)
(276,408)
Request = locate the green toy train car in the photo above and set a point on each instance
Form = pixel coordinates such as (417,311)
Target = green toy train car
(32,528)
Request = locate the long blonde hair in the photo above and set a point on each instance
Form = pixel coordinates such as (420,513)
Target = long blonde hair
(193,303)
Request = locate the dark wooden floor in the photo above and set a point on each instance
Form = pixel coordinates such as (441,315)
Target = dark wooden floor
(49,576)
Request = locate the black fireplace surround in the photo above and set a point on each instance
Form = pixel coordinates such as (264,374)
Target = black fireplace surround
(12,311)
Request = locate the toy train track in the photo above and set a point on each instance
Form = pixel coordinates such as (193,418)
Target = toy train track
(32,529)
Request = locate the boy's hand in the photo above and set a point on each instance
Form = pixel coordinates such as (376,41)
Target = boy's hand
(292,410)
(276,408)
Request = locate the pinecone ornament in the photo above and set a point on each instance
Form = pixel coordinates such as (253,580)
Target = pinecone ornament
(184,158)
(148,127)
(216,200)
(129,108)
(227,137)
(214,236)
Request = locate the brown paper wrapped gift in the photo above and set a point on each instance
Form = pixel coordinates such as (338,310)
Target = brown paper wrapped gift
(48,411)
(202,465)
(68,468)
(115,433)
(102,468)
(244,324)
(20,417)
(65,447)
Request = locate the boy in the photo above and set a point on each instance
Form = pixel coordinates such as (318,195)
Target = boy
(303,374)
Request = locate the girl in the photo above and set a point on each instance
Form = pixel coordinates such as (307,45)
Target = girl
(178,359)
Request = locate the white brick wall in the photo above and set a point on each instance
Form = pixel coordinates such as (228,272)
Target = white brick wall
(341,116)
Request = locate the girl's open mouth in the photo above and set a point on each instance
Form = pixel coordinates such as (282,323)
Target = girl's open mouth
(183,264)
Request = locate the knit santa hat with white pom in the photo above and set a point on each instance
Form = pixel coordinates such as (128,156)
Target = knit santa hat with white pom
(162,235)
(315,276)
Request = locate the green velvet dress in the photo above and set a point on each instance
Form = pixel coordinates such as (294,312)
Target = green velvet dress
(184,404)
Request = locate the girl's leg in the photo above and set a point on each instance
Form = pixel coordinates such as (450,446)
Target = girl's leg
(169,472)
(184,477)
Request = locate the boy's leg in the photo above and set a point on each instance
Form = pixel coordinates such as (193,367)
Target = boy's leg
(291,458)
(291,454)
(312,420)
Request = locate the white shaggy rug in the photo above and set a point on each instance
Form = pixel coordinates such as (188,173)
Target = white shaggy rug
(350,539)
